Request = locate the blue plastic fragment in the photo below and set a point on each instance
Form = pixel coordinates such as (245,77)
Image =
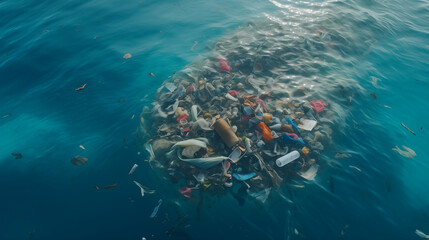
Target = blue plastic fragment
(291,122)
(288,139)
(155,210)
(243,177)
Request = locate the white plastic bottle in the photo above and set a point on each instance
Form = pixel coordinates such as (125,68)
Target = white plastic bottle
(281,161)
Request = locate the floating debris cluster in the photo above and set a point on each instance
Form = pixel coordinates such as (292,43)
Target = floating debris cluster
(213,126)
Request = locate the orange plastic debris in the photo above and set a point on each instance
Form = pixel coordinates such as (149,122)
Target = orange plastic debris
(287,128)
(266,132)
(81,88)
(305,151)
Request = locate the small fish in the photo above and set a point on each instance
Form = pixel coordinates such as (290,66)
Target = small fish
(151,74)
(127,56)
(110,186)
(83,148)
(373,95)
(17,155)
(155,210)
(354,167)
(408,129)
(193,46)
(81,88)
(122,100)
(132,117)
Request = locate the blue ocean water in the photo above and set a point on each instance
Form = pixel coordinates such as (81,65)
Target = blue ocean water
(50,48)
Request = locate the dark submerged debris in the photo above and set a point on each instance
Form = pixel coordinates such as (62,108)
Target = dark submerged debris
(110,186)
(408,129)
(17,155)
(79,160)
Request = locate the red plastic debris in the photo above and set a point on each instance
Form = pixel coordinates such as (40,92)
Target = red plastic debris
(224,67)
(186,129)
(263,104)
(190,88)
(233,93)
(318,105)
(183,116)
(186,192)
(293,135)
(246,118)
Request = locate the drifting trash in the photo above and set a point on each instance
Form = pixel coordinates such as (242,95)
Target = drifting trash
(186,192)
(318,105)
(243,177)
(343,231)
(127,56)
(407,152)
(311,173)
(307,124)
(193,46)
(204,163)
(110,186)
(261,196)
(82,147)
(343,155)
(151,74)
(408,129)
(256,121)
(79,160)
(144,189)
(354,167)
(374,81)
(287,158)
(133,169)
(81,88)
(155,210)
(224,67)
(225,132)
(7,116)
(422,235)
(17,155)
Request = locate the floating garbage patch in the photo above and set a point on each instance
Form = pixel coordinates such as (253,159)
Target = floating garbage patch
(257,110)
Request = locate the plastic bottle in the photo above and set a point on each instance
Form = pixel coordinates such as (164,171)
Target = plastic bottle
(266,132)
(225,132)
(281,161)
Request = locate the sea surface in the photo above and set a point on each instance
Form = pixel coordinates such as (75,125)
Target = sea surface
(370,61)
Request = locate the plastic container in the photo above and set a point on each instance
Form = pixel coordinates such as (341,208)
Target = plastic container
(266,132)
(225,132)
(267,117)
(290,157)
(247,111)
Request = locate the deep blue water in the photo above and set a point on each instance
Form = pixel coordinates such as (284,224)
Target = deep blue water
(50,48)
